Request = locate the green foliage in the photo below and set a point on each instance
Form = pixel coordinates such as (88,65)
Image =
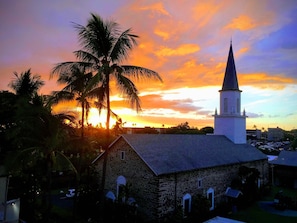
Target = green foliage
(294,144)
(248,184)
(184,128)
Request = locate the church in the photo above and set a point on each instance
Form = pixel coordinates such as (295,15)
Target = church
(164,172)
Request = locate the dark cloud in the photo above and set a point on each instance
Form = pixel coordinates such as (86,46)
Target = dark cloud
(254,115)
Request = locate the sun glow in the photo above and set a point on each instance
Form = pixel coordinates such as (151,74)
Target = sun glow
(97,120)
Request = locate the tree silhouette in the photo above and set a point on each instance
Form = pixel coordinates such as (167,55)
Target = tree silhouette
(104,48)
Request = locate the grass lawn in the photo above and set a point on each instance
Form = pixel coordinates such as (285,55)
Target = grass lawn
(255,214)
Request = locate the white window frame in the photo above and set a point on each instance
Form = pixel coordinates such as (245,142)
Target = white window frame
(210,191)
(185,198)
(121,180)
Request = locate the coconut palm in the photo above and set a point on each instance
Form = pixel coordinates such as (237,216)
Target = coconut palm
(104,48)
(43,138)
(38,136)
(26,84)
(77,88)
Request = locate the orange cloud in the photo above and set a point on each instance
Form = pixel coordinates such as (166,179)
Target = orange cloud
(203,12)
(180,51)
(243,50)
(155,8)
(165,35)
(263,80)
(242,22)
(192,74)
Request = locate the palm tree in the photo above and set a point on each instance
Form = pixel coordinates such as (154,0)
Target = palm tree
(38,135)
(25,85)
(104,48)
(43,137)
(77,88)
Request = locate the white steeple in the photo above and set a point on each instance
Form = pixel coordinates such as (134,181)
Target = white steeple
(229,121)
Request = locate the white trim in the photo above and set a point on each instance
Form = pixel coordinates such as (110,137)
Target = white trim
(186,197)
(210,191)
(121,180)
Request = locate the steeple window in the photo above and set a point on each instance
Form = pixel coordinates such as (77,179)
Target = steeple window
(225,105)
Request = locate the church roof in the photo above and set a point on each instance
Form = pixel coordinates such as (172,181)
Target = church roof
(171,153)
(286,158)
(230,78)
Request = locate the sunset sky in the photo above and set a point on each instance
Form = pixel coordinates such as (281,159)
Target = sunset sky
(185,41)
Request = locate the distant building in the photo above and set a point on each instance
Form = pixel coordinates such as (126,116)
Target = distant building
(253,134)
(275,134)
(145,130)
(284,169)
(166,171)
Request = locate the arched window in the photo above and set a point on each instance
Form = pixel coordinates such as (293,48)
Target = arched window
(210,197)
(187,202)
(121,183)
(225,105)
(110,196)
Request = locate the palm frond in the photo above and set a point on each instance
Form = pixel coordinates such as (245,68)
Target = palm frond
(100,106)
(62,96)
(87,57)
(97,36)
(26,84)
(129,90)
(66,67)
(63,163)
(140,72)
(124,43)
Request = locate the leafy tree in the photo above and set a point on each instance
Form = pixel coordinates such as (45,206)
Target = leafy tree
(41,153)
(200,208)
(183,126)
(104,47)
(7,111)
(294,143)
(39,138)
(249,179)
(207,130)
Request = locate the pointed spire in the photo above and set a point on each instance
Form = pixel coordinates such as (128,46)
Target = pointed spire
(230,79)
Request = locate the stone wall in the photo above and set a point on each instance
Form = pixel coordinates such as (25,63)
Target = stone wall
(142,181)
(159,195)
(174,186)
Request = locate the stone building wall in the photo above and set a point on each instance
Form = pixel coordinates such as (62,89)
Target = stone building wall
(142,181)
(174,186)
(158,196)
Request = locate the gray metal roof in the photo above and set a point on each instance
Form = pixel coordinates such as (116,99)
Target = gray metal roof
(230,79)
(170,153)
(286,158)
(232,192)
(219,219)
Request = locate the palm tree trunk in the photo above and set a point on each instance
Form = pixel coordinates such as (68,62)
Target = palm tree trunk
(82,118)
(107,138)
